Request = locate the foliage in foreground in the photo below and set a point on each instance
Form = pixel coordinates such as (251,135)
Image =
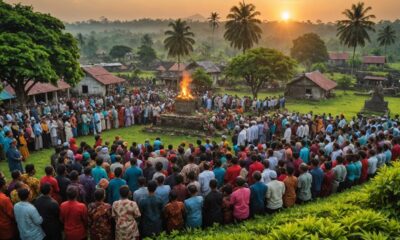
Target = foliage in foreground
(343,216)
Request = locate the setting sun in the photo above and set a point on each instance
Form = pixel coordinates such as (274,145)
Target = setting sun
(285,15)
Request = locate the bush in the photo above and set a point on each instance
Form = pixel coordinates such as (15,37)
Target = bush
(320,67)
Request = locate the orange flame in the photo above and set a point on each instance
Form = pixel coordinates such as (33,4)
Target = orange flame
(185,87)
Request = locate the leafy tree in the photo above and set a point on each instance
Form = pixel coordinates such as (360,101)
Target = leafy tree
(201,79)
(319,67)
(91,47)
(309,49)
(242,28)
(179,41)
(147,40)
(35,48)
(260,66)
(146,55)
(386,36)
(345,82)
(213,20)
(353,31)
(119,51)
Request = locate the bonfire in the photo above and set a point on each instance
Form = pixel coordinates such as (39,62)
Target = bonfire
(184,93)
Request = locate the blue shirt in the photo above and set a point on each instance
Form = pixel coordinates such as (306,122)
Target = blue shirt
(163,193)
(131,176)
(257,196)
(351,171)
(305,154)
(219,173)
(28,220)
(317,178)
(98,173)
(193,208)
(157,144)
(140,194)
(113,189)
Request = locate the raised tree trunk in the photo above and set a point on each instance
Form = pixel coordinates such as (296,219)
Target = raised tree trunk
(352,62)
(179,76)
(22,97)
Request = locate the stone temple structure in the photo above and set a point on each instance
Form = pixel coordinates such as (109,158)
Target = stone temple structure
(185,120)
(377,102)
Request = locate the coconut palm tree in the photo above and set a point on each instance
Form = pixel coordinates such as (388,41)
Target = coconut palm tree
(386,36)
(179,41)
(242,29)
(353,31)
(213,20)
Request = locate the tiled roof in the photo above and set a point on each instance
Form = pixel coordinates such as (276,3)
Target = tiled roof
(319,79)
(374,60)
(338,56)
(208,66)
(375,78)
(102,75)
(177,67)
(40,88)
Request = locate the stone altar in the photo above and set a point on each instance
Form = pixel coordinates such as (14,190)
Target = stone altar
(377,102)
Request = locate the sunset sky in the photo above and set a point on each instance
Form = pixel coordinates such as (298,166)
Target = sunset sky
(325,10)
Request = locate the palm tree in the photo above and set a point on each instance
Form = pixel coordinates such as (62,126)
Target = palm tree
(386,36)
(213,20)
(242,29)
(353,31)
(179,41)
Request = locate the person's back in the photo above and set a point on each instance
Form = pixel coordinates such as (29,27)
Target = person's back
(8,229)
(98,172)
(73,215)
(204,179)
(27,218)
(213,206)
(317,179)
(274,194)
(219,174)
(193,209)
(304,184)
(257,195)
(174,213)
(49,209)
(240,200)
(151,209)
(132,175)
(114,186)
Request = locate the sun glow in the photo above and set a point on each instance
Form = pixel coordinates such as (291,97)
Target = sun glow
(285,15)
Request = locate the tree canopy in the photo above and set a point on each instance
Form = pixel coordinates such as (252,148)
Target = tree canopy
(386,36)
(34,48)
(261,66)
(119,51)
(242,28)
(353,31)
(309,49)
(201,79)
(179,41)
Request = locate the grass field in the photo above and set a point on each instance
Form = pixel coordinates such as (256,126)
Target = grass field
(346,103)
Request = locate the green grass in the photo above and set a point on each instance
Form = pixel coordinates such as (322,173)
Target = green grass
(337,76)
(395,65)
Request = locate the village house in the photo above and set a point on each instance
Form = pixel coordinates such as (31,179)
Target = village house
(98,81)
(209,67)
(338,59)
(378,61)
(113,67)
(372,81)
(40,92)
(312,85)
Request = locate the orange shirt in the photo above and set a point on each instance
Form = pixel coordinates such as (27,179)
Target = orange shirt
(7,221)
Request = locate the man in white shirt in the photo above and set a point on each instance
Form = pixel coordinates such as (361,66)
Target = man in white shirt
(204,179)
(242,137)
(288,133)
(265,175)
(274,195)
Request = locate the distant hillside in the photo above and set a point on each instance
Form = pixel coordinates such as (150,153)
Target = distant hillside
(196,18)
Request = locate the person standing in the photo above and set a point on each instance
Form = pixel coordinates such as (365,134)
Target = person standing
(49,209)
(174,213)
(289,198)
(99,172)
(73,215)
(317,178)
(14,157)
(125,212)
(275,192)
(100,218)
(114,185)
(151,208)
(49,178)
(132,174)
(29,179)
(37,130)
(212,212)
(204,179)
(28,218)
(304,184)
(8,228)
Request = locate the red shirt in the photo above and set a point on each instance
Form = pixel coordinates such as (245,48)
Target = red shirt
(255,166)
(73,215)
(326,188)
(364,170)
(395,152)
(296,163)
(55,189)
(232,173)
(7,222)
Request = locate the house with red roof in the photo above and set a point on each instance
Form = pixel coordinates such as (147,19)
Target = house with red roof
(98,81)
(312,85)
(338,58)
(378,61)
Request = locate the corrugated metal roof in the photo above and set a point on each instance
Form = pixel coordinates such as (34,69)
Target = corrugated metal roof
(374,60)
(338,56)
(102,75)
(40,88)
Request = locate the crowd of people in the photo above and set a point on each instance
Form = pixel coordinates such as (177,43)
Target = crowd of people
(119,190)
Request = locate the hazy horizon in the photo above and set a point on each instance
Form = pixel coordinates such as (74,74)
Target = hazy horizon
(271,10)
